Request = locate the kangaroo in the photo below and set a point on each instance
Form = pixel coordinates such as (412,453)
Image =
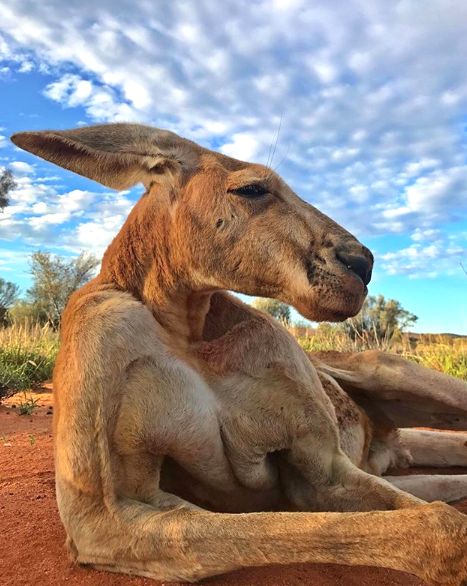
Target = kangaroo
(165,383)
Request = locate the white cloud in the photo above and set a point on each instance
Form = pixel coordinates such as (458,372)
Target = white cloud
(15,58)
(325,71)
(21,168)
(99,101)
(97,235)
(438,191)
(70,89)
(243,146)
(429,234)
(431,255)
(26,66)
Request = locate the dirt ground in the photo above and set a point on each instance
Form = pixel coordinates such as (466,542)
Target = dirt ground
(32,538)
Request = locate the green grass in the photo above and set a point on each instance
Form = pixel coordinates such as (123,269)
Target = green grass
(28,406)
(27,356)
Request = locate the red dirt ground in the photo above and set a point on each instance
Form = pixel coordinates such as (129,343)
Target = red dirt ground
(32,538)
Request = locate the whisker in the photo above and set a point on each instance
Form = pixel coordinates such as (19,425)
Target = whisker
(277,138)
(283,158)
(269,154)
(273,145)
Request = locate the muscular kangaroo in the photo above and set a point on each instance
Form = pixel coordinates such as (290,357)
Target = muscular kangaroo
(160,365)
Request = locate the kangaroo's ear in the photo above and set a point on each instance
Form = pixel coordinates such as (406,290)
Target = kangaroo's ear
(116,155)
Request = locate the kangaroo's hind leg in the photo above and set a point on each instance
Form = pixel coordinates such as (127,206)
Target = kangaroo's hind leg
(435,448)
(433,487)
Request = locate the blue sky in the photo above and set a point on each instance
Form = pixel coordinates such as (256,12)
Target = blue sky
(370,98)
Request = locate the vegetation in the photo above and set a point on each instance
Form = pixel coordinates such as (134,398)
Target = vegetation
(28,346)
(381,325)
(28,406)
(24,312)
(277,309)
(445,353)
(54,280)
(380,321)
(8,295)
(27,356)
(28,352)
(28,338)
(7,184)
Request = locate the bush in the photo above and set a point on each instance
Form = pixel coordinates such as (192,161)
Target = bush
(27,357)
(23,313)
(443,354)
(277,309)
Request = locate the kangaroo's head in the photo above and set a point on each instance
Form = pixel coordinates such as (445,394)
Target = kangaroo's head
(209,222)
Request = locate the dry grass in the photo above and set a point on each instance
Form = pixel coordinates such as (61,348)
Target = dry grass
(443,353)
(27,356)
(28,352)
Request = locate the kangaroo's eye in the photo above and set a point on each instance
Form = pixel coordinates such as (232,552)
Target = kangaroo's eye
(250,191)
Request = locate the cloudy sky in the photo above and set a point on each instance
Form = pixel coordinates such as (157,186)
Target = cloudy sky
(367,101)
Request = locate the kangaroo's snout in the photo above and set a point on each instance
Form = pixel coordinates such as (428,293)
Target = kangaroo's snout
(357,259)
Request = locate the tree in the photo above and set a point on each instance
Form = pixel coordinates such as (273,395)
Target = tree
(276,308)
(379,320)
(8,295)
(55,279)
(7,184)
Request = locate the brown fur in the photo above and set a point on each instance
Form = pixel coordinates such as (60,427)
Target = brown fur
(158,363)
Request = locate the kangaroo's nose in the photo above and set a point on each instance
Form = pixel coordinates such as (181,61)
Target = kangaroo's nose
(357,259)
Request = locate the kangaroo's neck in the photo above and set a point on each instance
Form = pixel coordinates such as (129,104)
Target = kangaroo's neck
(143,260)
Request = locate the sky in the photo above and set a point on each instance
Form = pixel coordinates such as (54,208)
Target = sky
(363,102)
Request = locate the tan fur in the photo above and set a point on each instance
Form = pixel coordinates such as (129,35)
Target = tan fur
(160,370)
